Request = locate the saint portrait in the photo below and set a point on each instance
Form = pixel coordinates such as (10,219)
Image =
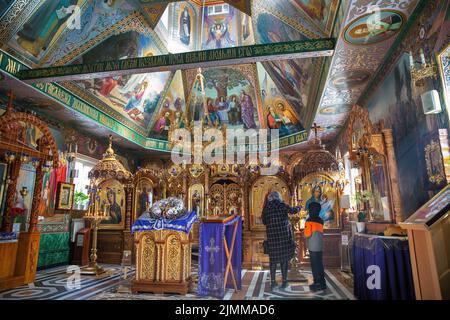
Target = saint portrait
(112,203)
(196,199)
(185,26)
(143,197)
(374,27)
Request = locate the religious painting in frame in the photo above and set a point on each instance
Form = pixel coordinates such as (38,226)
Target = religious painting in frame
(143,196)
(260,189)
(328,197)
(183,26)
(435,165)
(196,200)
(25,181)
(374,27)
(112,200)
(64,196)
(381,207)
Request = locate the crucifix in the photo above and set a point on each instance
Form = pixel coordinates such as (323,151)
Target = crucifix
(316,128)
(212,249)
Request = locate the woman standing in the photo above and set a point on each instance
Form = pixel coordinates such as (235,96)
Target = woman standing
(280,239)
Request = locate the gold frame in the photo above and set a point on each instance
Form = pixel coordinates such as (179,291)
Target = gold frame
(59,205)
(434,178)
(120,226)
(253,224)
(330,178)
(137,186)
(201,188)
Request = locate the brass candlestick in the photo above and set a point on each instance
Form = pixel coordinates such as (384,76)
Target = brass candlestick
(295,274)
(95,216)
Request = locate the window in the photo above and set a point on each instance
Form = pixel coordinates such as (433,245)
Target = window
(218,9)
(83,165)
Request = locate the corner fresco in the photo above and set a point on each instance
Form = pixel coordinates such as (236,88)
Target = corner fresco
(46,39)
(172,111)
(293,77)
(278,113)
(133,96)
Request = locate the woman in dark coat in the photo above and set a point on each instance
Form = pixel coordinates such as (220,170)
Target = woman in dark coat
(280,240)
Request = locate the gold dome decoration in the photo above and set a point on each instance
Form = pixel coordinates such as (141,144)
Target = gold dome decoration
(109,167)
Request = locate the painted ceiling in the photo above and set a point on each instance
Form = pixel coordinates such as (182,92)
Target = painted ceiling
(42,33)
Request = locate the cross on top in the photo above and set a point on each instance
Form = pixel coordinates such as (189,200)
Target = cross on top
(212,249)
(316,128)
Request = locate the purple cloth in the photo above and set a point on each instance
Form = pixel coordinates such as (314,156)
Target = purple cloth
(392,257)
(146,223)
(213,259)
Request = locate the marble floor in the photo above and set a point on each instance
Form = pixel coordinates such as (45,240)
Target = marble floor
(56,284)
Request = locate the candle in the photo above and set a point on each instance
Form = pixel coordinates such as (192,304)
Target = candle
(411,59)
(422,56)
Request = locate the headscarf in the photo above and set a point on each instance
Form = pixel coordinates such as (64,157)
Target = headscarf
(274,195)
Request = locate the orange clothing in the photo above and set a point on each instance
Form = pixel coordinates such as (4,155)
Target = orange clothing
(311,227)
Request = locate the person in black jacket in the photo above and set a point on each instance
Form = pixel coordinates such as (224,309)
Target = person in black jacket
(280,239)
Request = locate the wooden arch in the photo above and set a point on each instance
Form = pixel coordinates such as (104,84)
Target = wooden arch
(10,126)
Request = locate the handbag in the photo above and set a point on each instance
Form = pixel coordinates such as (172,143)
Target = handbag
(266,247)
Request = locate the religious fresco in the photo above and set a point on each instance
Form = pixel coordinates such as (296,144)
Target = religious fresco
(183,25)
(365,37)
(278,113)
(374,27)
(220,27)
(230,98)
(172,111)
(439,27)
(134,96)
(50,35)
(399,108)
(293,77)
(247,30)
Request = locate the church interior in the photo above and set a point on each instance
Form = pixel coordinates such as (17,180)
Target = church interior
(101,198)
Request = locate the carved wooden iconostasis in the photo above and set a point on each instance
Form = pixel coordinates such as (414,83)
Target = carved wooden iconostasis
(372,152)
(20,267)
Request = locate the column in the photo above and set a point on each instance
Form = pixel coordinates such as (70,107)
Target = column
(10,195)
(393,173)
(36,198)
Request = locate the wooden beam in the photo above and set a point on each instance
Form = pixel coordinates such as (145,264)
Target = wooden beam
(187,60)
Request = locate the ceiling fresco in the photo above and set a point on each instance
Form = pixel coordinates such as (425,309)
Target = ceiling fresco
(366,36)
(286,94)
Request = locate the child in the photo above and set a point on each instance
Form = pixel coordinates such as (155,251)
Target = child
(314,236)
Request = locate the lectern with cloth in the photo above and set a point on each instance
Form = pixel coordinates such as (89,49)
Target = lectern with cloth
(163,254)
(220,255)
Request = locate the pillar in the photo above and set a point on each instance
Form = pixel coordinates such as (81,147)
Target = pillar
(393,173)
(36,199)
(10,195)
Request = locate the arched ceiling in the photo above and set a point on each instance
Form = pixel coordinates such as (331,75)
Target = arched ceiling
(42,34)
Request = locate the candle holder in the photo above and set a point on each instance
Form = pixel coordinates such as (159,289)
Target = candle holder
(295,273)
(95,217)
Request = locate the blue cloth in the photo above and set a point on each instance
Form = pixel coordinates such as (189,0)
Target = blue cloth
(146,223)
(6,236)
(392,257)
(213,259)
